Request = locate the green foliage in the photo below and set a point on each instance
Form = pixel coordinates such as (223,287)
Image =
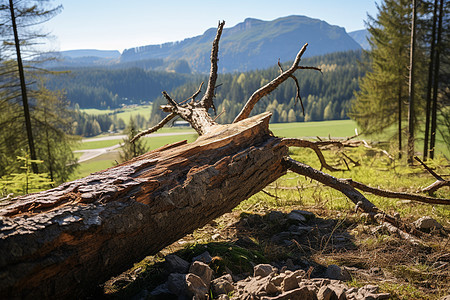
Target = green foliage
(334,88)
(106,88)
(130,150)
(26,181)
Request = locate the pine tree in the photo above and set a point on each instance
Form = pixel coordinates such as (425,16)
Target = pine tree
(130,150)
(384,89)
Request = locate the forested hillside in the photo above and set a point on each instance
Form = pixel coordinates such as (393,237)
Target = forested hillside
(325,96)
(105,88)
(252,44)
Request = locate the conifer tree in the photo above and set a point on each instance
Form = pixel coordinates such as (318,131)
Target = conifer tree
(384,89)
(130,150)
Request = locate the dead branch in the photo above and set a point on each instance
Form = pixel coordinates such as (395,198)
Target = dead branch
(292,142)
(397,195)
(268,88)
(345,188)
(439,183)
(207,100)
(154,128)
(297,97)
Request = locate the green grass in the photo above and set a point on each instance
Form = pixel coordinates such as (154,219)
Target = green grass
(96,144)
(339,128)
(122,113)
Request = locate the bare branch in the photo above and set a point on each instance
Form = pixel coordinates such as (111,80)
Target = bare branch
(397,195)
(344,187)
(170,100)
(195,94)
(268,88)
(429,169)
(207,100)
(290,142)
(154,128)
(309,68)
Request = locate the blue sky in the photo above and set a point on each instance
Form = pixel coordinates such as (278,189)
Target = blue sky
(122,24)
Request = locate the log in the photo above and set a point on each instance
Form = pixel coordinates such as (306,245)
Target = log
(63,242)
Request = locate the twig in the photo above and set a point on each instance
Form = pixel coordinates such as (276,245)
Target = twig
(429,169)
(292,142)
(154,128)
(268,88)
(222,112)
(398,195)
(170,100)
(195,94)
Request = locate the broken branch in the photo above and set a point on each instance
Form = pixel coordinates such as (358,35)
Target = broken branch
(154,128)
(268,88)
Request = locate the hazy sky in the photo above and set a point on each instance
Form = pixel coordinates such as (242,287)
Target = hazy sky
(122,24)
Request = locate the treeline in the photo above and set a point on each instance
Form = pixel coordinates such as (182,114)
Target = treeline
(88,125)
(106,88)
(325,96)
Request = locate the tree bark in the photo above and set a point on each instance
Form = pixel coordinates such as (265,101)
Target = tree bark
(63,242)
(411,105)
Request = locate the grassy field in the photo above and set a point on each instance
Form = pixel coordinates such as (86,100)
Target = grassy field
(340,128)
(122,113)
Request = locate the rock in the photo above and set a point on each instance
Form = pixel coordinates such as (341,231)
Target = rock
(290,282)
(296,217)
(161,291)
(338,273)
(302,293)
(222,285)
(196,287)
(176,283)
(142,295)
(175,264)
(427,223)
(204,257)
(326,293)
(275,215)
(280,237)
(263,270)
(277,280)
(307,214)
(223,297)
(203,271)
(446,297)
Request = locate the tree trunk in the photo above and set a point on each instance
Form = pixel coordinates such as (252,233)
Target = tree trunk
(436,83)
(63,242)
(411,110)
(430,82)
(23,87)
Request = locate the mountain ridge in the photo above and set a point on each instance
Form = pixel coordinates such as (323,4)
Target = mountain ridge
(250,45)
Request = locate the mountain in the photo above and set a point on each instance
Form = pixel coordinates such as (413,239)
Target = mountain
(252,44)
(108,54)
(360,36)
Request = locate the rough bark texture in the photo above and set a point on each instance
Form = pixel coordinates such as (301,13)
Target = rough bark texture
(63,242)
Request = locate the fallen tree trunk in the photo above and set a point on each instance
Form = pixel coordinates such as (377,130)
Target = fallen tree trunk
(62,242)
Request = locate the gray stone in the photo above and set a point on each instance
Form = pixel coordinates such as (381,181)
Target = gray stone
(337,273)
(280,237)
(446,297)
(262,270)
(307,214)
(203,271)
(275,216)
(204,257)
(290,282)
(196,287)
(222,285)
(160,290)
(175,264)
(176,283)
(295,216)
(427,223)
(326,293)
(302,293)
